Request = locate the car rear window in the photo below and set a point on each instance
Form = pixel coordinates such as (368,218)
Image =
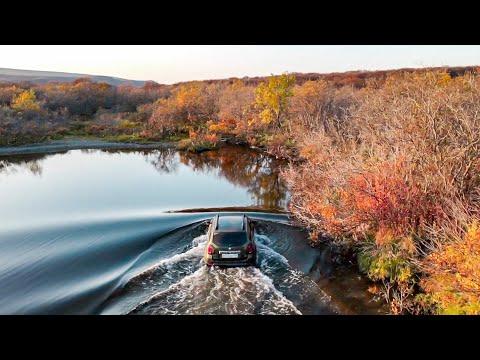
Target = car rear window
(230,222)
(230,239)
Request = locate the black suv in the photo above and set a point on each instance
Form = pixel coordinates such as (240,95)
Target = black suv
(231,241)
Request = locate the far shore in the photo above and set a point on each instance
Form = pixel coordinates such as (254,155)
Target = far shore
(78,144)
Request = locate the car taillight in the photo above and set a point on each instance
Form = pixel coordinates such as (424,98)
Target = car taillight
(210,250)
(250,248)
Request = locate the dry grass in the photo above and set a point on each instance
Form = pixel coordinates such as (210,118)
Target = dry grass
(391,161)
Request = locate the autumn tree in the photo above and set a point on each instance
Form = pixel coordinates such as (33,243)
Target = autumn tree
(190,106)
(309,103)
(273,99)
(235,101)
(8,93)
(81,97)
(235,107)
(26,100)
(129,97)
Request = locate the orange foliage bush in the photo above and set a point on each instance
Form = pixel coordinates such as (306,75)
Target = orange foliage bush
(190,105)
(380,174)
(383,196)
(225,126)
(452,282)
(199,141)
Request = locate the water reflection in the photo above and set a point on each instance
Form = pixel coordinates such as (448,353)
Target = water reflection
(17,163)
(246,168)
(164,161)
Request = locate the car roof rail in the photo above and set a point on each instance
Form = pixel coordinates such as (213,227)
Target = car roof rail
(216,225)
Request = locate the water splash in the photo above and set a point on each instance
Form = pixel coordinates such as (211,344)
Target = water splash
(215,290)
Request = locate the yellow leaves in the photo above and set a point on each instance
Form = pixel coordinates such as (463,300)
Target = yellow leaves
(267,116)
(454,274)
(472,237)
(128,124)
(189,94)
(214,127)
(405,274)
(444,79)
(227,126)
(26,101)
(237,85)
(387,263)
(310,89)
(273,98)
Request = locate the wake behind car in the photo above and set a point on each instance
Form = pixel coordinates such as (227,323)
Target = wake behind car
(231,241)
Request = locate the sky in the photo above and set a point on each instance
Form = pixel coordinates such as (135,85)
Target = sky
(174,63)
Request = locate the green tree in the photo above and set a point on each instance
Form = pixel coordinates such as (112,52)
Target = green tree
(273,98)
(26,100)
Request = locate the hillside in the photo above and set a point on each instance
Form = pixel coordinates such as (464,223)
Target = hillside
(41,77)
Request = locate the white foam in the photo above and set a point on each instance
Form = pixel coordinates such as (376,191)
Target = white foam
(281,298)
(181,283)
(231,291)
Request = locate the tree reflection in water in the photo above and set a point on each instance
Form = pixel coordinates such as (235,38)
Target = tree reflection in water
(164,160)
(15,163)
(248,168)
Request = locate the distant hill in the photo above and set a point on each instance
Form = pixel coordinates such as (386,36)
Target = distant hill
(40,77)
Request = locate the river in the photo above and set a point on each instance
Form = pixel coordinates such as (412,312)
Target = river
(123,232)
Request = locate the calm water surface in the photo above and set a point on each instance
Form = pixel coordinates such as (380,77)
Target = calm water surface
(91,183)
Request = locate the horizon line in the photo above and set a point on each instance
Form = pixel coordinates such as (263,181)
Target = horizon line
(243,77)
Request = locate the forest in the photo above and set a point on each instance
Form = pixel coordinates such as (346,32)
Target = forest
(384,166)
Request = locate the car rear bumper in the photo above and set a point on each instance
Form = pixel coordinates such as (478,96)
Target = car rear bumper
(249,261)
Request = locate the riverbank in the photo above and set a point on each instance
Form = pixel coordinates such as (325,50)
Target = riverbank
(342,283)
(77,143)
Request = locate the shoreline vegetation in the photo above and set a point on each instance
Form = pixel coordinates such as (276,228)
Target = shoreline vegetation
(383,166)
